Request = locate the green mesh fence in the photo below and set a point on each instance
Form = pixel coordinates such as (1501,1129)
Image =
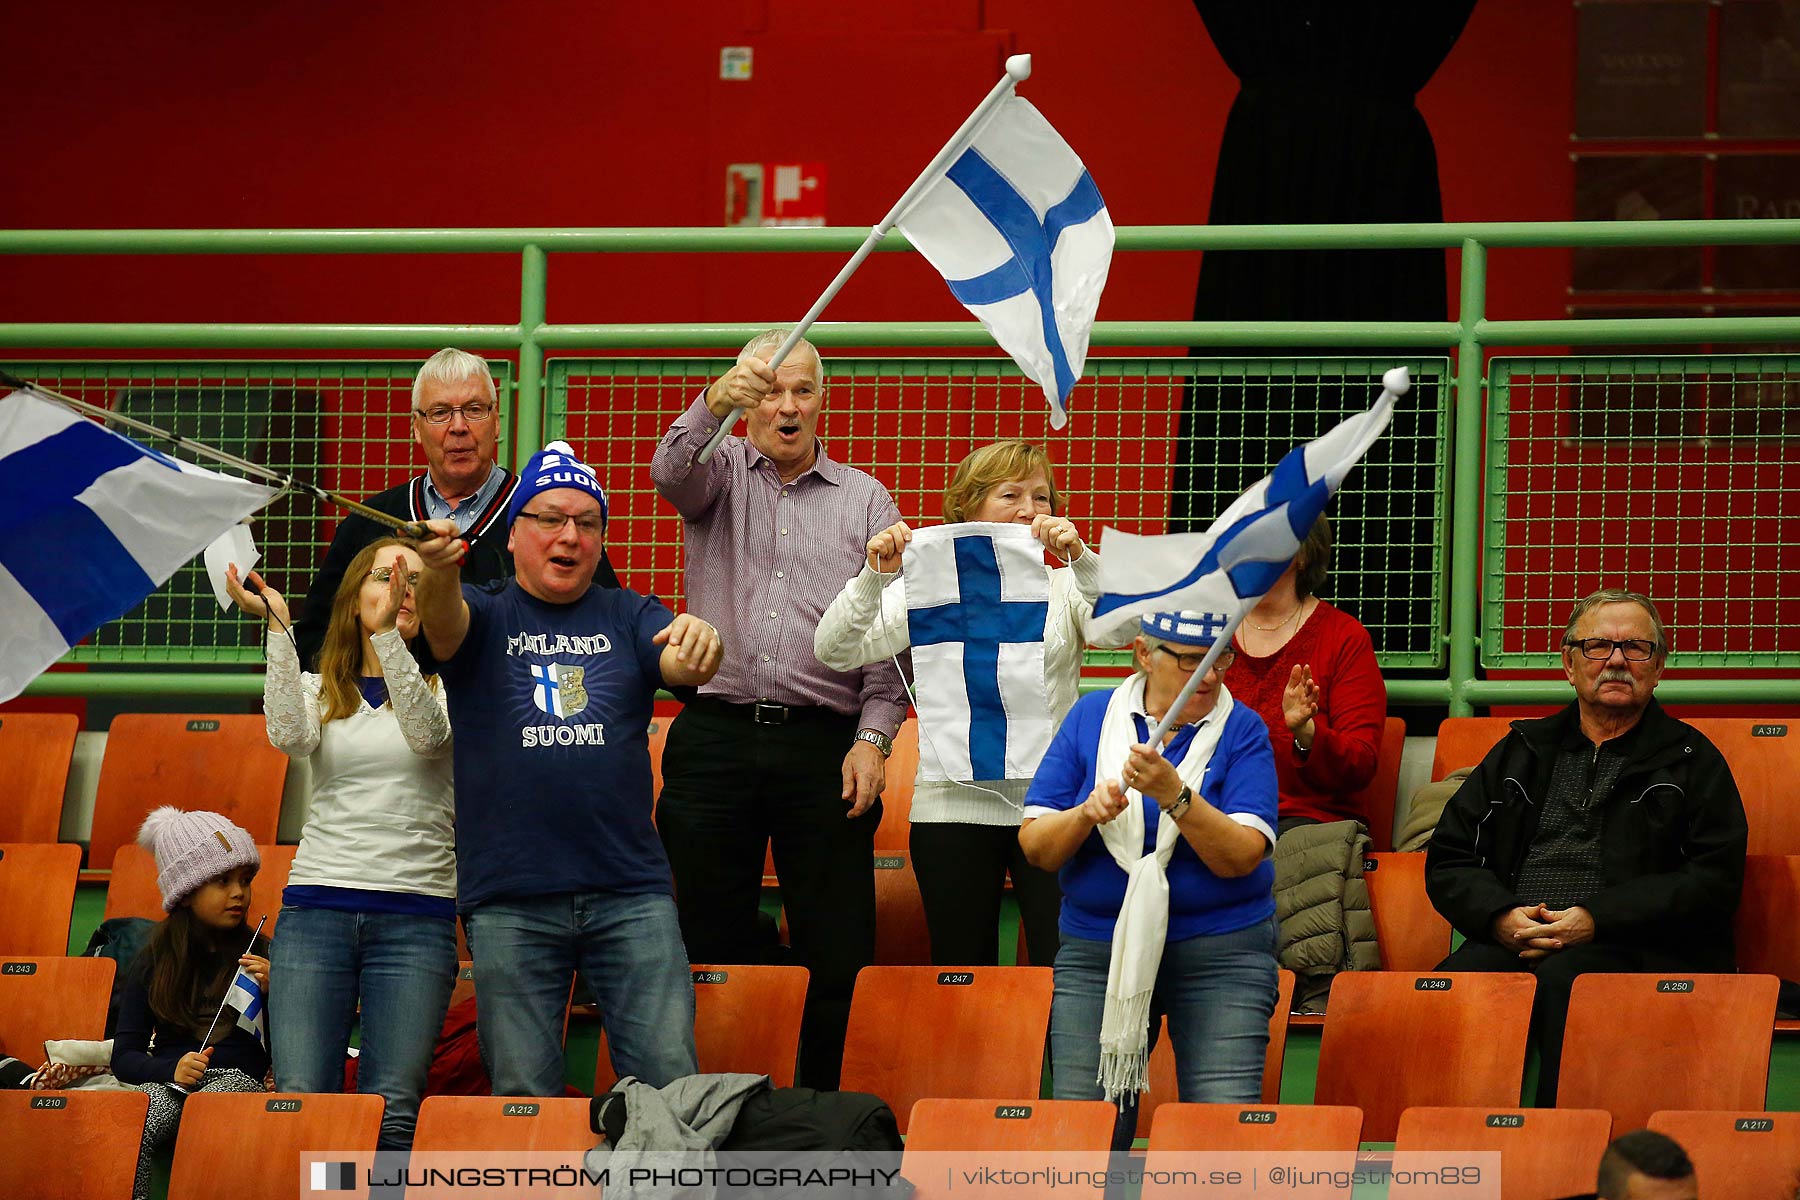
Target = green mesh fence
(342,425)
(1152,445)
(1676,476)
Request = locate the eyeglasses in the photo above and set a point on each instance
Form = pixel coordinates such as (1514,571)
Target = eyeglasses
(549,522)
(386,575)
(1634,649)
(473,412)
(1191,662)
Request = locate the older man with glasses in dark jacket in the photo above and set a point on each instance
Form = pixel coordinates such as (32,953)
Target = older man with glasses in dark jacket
(1608,837)
(455,421)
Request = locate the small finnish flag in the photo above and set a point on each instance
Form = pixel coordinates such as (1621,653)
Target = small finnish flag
(245,996)
(334,1177)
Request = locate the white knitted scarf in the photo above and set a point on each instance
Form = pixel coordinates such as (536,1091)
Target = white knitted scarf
(1143,922)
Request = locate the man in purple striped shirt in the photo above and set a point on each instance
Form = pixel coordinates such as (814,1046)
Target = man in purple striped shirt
(777,747)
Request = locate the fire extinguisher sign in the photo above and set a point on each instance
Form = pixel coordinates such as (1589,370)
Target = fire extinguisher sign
(775,194)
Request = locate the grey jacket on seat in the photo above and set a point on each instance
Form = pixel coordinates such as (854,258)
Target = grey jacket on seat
(1323,906)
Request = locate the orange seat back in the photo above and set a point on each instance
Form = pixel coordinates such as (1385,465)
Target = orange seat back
(36,748)
(1413,936)
(1377,797)
(1685,1041)
(1394,1039)
(1543,1151)
(219,763)
(37,896)
(969,1033)
(92,1138)
(1738,1155)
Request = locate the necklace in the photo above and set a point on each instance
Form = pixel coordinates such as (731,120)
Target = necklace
(1285,621)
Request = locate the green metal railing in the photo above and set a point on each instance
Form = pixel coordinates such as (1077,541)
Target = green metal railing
(1468,617)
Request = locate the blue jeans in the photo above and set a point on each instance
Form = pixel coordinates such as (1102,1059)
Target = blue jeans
(401,968)
(1218,991)
(628,948)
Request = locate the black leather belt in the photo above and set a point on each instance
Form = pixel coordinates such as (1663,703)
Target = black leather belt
(764,713)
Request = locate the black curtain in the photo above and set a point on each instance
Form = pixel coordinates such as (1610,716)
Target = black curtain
(1324,130)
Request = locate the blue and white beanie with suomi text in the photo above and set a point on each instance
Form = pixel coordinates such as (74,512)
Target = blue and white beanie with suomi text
(555,466)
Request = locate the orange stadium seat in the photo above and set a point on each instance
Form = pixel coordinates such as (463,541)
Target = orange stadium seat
(1738,1155)
(1413,936)
(1394,1039)
(47,999)
(93,1137)
(1378,796)
(131,889)
(1544,1152)
(223,764)
(1766,928)
(1692,1041)
(36,748)
(1242,1132)
(1465,741)
(974,1033)
(1765,761)
(37,896)
(249,1145)
(746,1020)
(463,1125)
(902,938)
(986,1132)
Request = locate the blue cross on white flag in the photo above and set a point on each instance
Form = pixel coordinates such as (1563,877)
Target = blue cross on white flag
(1019,232)
(1228,568)
(94,523)
(546,689)
(245,996)
(977,597)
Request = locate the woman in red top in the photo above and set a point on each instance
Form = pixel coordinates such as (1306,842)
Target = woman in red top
(1309,670)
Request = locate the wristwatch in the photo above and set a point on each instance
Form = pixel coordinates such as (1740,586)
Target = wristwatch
(880,741)
(1183,802)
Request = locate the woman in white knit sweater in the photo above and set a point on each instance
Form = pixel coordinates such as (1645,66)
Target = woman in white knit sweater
(368,919)
(964,835)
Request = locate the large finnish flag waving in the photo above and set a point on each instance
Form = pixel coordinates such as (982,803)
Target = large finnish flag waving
(977,598)
(95,522)
(1019,232)
(1228,568)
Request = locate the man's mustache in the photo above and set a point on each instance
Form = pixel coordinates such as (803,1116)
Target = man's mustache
(1616,675)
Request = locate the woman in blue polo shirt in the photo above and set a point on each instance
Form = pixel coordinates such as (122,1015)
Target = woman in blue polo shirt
(1168,889)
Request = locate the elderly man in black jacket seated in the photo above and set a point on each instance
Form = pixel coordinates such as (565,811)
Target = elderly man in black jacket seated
(1608,837)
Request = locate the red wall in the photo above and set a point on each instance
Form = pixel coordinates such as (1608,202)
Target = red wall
(215,114)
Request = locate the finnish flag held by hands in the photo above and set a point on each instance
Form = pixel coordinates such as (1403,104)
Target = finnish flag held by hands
(246,997)
(95,522)
(1019,232)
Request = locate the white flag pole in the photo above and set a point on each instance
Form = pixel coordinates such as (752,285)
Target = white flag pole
(1187,691)
(1018,69)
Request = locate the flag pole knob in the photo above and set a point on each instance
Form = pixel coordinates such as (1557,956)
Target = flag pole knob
(1397,381)
(1018,67)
